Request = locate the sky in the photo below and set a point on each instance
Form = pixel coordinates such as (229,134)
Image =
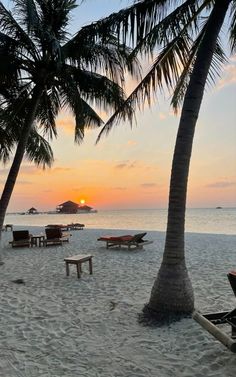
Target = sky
(130,168)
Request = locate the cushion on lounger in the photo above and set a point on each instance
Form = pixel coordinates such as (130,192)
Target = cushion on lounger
(116,239)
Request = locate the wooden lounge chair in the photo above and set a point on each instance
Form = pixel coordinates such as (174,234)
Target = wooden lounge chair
(75,226)
(55,236)
(232,279)
(131,242)
(212,320)
(21,238)
(59,226)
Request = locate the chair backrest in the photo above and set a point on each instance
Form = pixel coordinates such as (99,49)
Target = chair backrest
(52,233)
(139,237)
(19,235)
(232,279)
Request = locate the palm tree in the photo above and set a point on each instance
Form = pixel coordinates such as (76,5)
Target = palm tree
(190,55)
(55,72)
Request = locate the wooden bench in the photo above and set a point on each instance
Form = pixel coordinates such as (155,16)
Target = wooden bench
(78,260)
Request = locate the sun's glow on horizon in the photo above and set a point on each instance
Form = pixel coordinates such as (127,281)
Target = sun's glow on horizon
(82,201)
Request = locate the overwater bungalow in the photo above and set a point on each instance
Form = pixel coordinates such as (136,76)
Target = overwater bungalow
(68,207)
(71,207)
(32,211)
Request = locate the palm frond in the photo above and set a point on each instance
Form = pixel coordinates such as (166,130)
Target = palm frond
(219,58)
(27,13)
(47,112)
(182,20)
(55,13)
(10,27)
(106,55)
(165,71)
(71,97)
(96,89)
(6,143)
(38,150)
(91,120)
(131,23)
(232,27)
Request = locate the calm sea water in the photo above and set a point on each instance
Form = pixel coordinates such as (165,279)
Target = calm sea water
(221,221)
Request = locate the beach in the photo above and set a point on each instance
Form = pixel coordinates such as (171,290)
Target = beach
(57,325)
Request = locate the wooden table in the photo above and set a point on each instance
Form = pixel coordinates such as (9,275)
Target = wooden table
(78,260)
(37,240)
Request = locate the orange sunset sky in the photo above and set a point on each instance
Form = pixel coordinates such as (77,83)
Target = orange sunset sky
(131,168)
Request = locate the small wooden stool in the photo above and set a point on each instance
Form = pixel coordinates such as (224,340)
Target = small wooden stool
(78,260)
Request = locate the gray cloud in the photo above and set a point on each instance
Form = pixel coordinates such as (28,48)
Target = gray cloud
(221,184)
(126,164)
(148,185)
(119,188)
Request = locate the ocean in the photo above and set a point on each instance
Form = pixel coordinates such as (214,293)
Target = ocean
(198,220)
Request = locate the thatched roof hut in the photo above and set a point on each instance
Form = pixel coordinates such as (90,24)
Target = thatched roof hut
(32,211)
(67,207)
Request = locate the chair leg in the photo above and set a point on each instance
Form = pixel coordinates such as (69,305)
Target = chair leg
(78,266)
(90,266)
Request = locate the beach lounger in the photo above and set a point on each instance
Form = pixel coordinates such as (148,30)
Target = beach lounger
(55,236)
(212,320)
(131,242)
(75,226)
(21,238)
(59,226)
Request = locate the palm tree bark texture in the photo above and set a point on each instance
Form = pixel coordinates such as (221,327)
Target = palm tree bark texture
(172,293)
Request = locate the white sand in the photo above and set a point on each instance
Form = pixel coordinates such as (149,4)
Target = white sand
(63,326)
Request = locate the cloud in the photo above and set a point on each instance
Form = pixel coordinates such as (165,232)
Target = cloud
(61,169)
(23,183)
(2,182)
(221,184)
(67,123)
(25,169)
(119,188)
(229,75)
(121,166)
(148,185)
(162,116)
(131,143)
(126,164)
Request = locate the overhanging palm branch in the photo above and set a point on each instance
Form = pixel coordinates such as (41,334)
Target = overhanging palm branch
(106,55)
(38,150)
(173,66)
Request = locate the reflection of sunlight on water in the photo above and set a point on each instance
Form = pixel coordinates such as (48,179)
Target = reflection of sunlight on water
(197,220)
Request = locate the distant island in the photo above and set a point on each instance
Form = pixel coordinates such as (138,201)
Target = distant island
(218,207)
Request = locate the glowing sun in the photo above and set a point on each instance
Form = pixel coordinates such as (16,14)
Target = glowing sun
(82,201)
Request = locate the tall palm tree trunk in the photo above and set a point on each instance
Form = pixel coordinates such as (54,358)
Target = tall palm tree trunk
(15,167)
(172,292)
